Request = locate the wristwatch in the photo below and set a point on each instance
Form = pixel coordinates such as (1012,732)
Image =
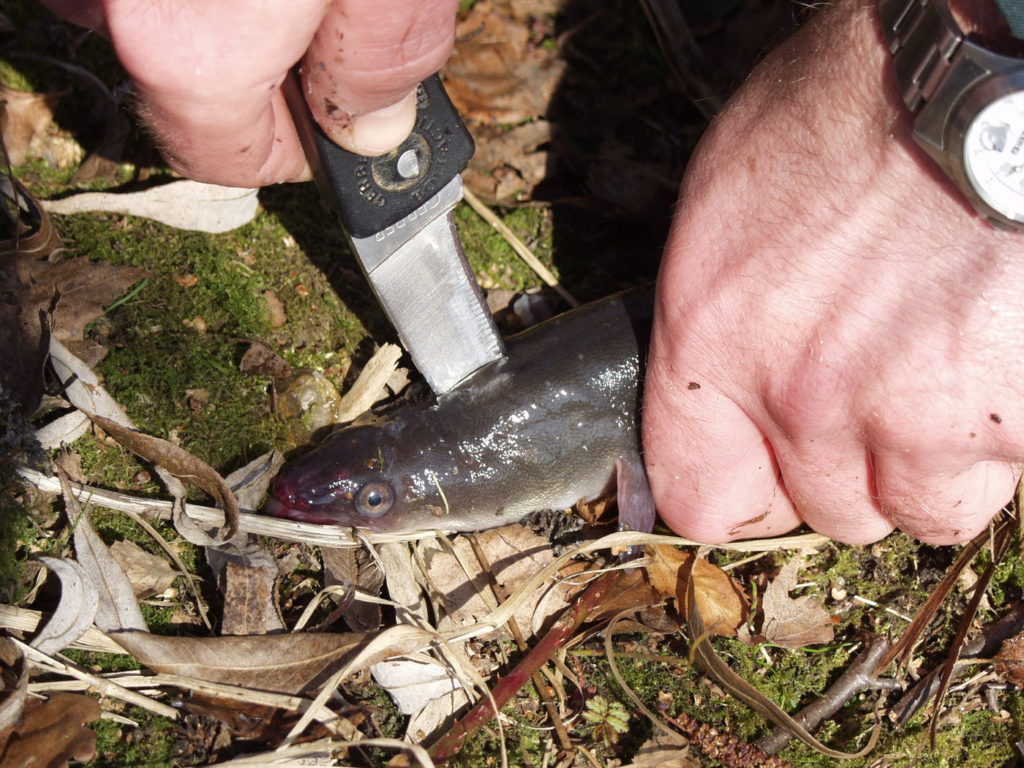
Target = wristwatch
(968,104)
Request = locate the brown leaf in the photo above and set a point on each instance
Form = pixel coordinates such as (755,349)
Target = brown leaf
(23,118)
(261,360)
(178,462)
(250,600)
(275,310)
(83,288)
(25,234)
(149,574)
(645,606)
(794,622)
(508,164)
(354,568)
(719,598)
(242,721)
(76,290)
(662,751)
(24,337)
(285,663)
(51,733)
(496,74)
(1009,662)
(14,678)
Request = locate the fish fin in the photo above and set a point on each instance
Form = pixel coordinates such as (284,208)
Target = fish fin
(636,504)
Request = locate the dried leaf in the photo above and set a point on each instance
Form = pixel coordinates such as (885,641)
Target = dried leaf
(414,684)
(719,598)
(261,360)
(403,586)
(249,483)
(76,290)
(637,607)
(226,721)
(180,463)
(250,599)
(662,750)
(118,609)
(515,554)
(184,204)
(275,310)
(25,233)
(148,574)
(508,164)
(23,118)
(369,383)
(82,387)
(14,680)
(1009,662)
(354,568)
(496,73)
(76,610)
(285,663)
(435,714)
(24,337)
(63,430)
(52,732)
(83,288)
(794,622)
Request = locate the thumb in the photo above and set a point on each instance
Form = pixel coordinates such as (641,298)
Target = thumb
(364,63)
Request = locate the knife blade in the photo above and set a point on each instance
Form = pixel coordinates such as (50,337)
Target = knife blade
(397,212)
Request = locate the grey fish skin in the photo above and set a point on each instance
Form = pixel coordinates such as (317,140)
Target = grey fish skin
(553,423)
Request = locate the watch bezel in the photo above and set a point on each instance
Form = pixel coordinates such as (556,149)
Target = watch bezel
(976,98)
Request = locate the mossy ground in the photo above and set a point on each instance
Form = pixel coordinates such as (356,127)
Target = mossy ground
(205,300)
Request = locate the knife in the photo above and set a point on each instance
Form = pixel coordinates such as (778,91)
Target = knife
(396,210)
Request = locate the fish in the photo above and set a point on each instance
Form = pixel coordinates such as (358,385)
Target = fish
(551,424)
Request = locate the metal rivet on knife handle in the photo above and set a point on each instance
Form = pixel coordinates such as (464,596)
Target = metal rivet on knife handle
(396,210)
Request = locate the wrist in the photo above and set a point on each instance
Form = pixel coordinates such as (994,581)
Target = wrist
(965,99)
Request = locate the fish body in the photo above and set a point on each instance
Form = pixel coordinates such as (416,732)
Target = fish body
(553,423)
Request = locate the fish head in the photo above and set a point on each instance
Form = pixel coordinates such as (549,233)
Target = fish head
(344,481)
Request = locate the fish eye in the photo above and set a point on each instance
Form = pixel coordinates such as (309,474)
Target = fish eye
(374,499)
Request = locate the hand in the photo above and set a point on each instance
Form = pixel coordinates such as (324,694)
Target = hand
(208,75)
(839,338)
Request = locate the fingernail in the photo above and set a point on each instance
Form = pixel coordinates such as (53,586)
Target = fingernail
(375,133)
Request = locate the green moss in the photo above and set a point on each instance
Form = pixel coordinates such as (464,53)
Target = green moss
(525,743)
(1008,578)
(149,745)
(977,740)
(490,255)
(12,77)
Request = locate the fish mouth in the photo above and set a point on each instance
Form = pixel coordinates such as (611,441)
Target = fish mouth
(277,508)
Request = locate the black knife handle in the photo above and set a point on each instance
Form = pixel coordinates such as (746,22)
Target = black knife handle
(371,193)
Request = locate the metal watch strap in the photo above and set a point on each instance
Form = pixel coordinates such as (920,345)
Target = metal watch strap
(923,38)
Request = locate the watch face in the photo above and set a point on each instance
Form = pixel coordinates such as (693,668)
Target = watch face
(994,154)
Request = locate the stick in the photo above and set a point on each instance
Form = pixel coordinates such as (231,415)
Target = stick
(856,678)
(506,688)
